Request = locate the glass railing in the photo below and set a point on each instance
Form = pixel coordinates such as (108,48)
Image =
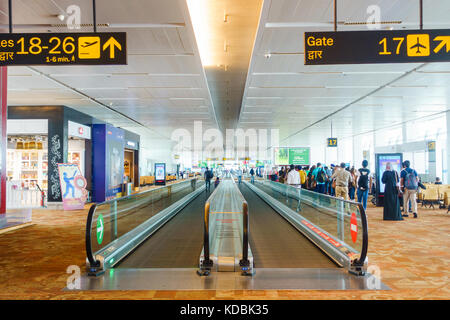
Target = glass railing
(341,223)
(113,219)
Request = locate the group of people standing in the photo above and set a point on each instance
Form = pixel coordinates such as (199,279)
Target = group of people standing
(405,185)
(339,181)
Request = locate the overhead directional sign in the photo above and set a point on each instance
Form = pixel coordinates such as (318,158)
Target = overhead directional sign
(332,142)
(356,47)
(63,48)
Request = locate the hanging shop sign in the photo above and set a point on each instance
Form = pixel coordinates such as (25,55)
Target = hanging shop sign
(73,186)
(93,48)
(79,130)
(398,46)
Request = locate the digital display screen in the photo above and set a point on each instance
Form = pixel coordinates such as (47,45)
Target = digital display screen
(160,171)
(396,162)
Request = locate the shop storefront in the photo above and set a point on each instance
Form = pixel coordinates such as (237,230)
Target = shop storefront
(27,154)
(116,158)
(40,137)
(131,159)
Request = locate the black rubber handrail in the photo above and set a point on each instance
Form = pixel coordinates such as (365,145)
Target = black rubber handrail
(365,239)
(90,255)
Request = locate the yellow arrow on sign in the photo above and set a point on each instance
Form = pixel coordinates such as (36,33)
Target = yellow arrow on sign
(112,44)
(445,41)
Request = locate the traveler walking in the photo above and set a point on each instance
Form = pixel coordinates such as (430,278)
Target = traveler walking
(239,175)
(342,177)
(252,173)
(311,184)
(208,176)
(293,177)
(320,177)
(293,180)
(352,184)
(281,175)
(364,183)
(302,174)
(329,173)
(391,210)
(409,182)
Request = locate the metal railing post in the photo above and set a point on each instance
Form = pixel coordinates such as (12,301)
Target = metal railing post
(207,263)
(113,220)
(245,263)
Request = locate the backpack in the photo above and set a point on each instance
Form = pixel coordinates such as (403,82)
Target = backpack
(363,182)
(209,175)
(411,181)
(321,176)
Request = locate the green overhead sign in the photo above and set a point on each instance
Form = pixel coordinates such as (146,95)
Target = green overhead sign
(295,156)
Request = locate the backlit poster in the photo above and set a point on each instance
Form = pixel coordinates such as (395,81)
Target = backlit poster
(281,156)
(114,161)
(160,173)
(73,186)
(382,159)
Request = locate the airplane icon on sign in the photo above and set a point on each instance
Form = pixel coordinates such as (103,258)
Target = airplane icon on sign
(88,44)
(418,46)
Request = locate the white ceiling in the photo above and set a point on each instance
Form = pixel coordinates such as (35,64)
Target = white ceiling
(163,86)
(302,101)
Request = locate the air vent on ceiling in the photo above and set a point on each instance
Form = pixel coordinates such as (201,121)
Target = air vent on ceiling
(354,23)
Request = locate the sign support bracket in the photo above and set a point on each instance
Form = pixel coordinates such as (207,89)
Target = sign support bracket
(421,14)
(94,13)
(335,15)
(10,16)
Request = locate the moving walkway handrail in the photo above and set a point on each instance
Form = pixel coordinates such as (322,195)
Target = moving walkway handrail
(244,262)
(89,253)
(363,216)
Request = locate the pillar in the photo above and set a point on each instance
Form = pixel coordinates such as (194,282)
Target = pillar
(3,137)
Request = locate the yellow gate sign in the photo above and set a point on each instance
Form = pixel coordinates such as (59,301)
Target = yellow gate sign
(100,48)
(397,46)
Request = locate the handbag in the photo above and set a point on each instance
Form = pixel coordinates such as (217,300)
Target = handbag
(333,185)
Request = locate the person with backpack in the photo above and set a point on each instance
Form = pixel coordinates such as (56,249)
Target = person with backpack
(239,175)
(252,173)
(208,176)
(311,185)
(409,180)
(320,177)
(364,183)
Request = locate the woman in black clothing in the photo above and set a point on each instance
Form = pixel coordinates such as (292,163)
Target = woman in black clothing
(391,201)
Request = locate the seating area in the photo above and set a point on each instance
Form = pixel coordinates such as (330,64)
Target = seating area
(438,194)
(146,180)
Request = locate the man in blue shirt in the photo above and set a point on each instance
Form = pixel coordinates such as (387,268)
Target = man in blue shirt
(320,177)
(409,181)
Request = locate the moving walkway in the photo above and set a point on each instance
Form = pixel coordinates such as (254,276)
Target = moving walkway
(260,225)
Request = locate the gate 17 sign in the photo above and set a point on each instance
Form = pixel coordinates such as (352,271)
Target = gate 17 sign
(398,46)
(63,48)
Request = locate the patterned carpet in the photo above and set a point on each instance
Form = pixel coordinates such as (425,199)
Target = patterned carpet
(413,256)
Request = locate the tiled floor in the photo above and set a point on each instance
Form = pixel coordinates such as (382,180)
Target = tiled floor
(413,257)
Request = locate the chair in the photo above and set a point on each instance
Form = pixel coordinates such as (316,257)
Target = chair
(430,196)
